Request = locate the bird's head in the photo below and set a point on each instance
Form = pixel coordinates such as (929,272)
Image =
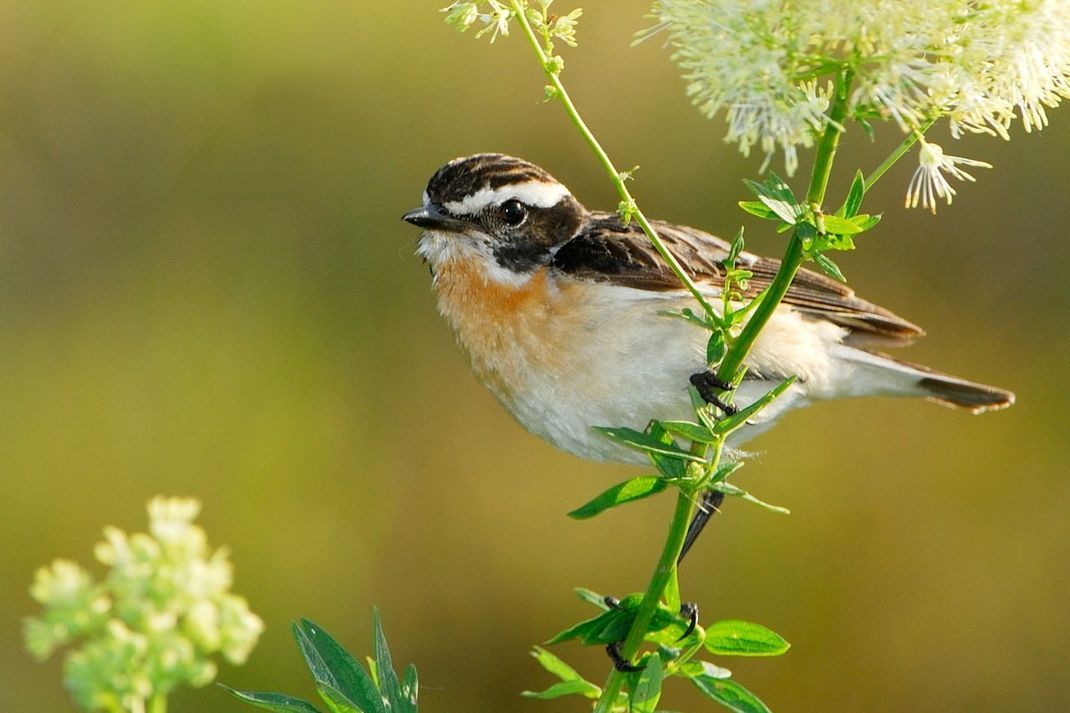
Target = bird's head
(505,213)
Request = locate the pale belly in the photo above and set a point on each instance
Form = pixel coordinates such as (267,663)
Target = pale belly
(585,356)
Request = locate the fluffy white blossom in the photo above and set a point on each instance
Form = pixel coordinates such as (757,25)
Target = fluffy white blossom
(162,611)
(980,64)
(929,182)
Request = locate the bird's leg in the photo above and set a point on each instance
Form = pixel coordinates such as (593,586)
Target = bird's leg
(707,384)
(689,610)
(619,662)
(711,502)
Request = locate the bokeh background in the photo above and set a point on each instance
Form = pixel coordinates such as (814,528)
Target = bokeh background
(205,290)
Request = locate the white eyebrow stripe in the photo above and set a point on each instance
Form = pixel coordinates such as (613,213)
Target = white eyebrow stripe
(534,193)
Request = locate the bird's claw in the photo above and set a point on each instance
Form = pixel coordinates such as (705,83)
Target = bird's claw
(619,662)
(689,610)
(708,384)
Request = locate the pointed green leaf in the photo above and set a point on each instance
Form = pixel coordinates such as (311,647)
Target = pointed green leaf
(644,442)
(592,597)
(759,209)
(335,700)
(690,431)
(729,489)
(732,637)
(566,688)
(731,423)
(388,678)
(277,702)
(829,268)
(725,470)
(335,667)
(735,249)
(865,221)
(715,348)
(693,669)
(647,690)
(626,492)
(730,694)
(555,665)
(854,196)
(410,689)
(840,226)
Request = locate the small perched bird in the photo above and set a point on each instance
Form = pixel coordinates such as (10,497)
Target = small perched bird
(562,313)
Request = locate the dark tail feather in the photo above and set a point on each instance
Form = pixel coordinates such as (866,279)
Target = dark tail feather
(976,398)
(711,501)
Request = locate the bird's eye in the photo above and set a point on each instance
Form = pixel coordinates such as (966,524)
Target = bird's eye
(513,212)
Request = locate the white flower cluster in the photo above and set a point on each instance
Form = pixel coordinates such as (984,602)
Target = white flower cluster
(153,623)
(980,64)
(495,16)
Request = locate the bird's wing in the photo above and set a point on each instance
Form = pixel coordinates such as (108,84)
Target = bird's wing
(608,251)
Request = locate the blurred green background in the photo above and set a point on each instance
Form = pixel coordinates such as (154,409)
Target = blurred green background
(205,290)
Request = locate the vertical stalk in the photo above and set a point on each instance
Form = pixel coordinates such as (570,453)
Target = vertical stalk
(615,176)
(158,704)
(685,505)
(795,255)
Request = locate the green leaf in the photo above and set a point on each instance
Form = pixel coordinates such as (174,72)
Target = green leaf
(730,694)
(566,688)
(829,267)
(732,637)
(840,226)
(735,249)
(410,687)
(777,196)
(278,702)
(612,625)
(691,669)
(592,597)
(388,678)
(690,431)
(731,423)
(647,690)
(866,221)
(729,489)
(854,196)
(626,492)
(715,348)
(336,701)
(554,665)
(333,666)
(702,409)
(725,470)
(645,442)
(759,209)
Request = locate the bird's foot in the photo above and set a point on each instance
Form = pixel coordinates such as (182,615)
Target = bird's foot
(619,662)
(688,610)
(708,385)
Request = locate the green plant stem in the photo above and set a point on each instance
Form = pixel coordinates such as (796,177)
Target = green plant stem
(158,704)
(795,255)
(615,176)
(911,139)
(685,506)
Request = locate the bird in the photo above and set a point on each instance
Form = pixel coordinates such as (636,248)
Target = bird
(562,312)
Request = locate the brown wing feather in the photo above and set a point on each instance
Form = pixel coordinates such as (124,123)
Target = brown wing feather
(608,251)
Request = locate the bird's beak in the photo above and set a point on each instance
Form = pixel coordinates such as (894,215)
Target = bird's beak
(432,218)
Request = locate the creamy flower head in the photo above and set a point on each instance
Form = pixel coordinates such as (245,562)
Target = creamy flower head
(982,65)
(155,620)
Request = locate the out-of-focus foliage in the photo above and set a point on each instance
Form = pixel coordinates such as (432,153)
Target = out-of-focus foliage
(155,621)
(205,288)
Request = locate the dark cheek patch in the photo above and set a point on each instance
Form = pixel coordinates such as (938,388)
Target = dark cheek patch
(529,246)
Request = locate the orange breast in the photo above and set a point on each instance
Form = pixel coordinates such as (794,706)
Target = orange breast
(508,329)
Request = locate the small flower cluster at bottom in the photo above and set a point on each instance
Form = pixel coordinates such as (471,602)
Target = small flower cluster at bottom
(154,621)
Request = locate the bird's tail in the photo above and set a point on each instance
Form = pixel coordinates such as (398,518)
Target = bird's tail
(904,378)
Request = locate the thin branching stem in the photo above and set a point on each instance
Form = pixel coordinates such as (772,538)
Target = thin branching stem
(552,72)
